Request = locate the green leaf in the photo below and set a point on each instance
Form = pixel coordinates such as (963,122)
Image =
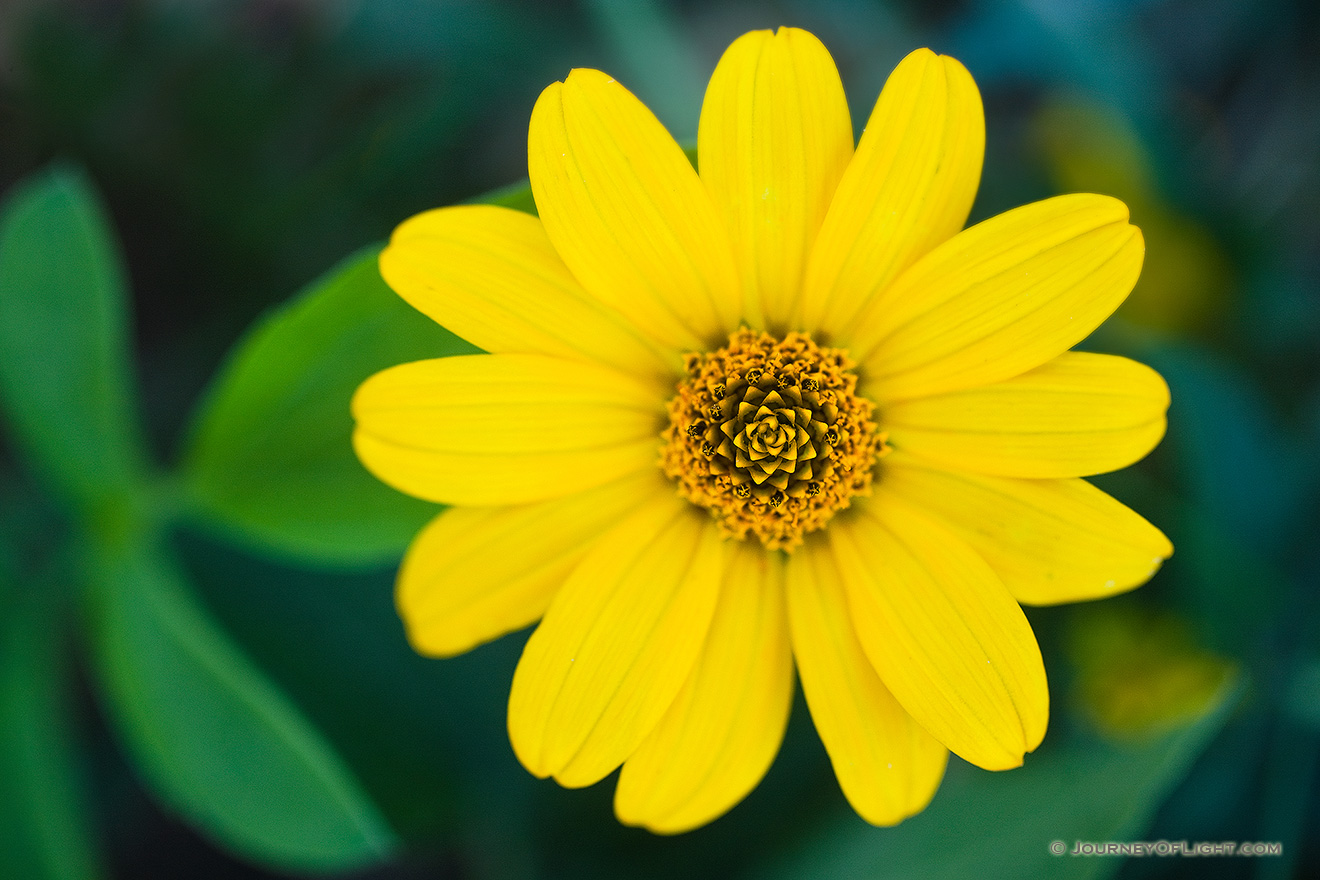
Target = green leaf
(66,383)
(993,825)
(45,832)
(516,195)
(271,459)
(216,740)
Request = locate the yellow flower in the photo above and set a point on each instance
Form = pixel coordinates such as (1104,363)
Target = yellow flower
(779,413)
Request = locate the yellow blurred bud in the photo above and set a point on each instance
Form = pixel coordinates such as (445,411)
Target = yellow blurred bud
(1092,148)
(1140,673)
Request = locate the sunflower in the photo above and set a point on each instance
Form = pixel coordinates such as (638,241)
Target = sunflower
(784,412)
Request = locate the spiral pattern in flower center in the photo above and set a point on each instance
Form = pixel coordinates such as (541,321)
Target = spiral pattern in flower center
(770,436)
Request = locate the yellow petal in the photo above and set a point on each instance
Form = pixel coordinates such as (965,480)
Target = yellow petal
(476,573)
(943,633)
(774,139)
(722,732)
(1076,415)
(498,429)
(491,275)
(628,214)
(888,765)
(999,298)
(1050,541)
(908,189)
(617,643)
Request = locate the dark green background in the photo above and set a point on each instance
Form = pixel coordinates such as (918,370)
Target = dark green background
(244,149)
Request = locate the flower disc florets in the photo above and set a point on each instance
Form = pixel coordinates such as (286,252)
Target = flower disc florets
(770,436)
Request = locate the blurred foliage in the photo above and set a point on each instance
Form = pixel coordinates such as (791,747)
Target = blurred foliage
(1186,277)
(1083,788)
(1139,674)
(45,827)
(210,733)
(268,457)
(196,576)
(64,359)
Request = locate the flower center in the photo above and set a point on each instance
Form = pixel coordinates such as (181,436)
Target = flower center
(770,436)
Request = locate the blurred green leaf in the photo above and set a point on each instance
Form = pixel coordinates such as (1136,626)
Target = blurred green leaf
(213,736)
(66,382)
(516,195)
(270,458)
(45,833)
(992,825)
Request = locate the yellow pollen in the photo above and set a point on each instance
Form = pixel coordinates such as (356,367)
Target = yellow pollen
(770,436)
